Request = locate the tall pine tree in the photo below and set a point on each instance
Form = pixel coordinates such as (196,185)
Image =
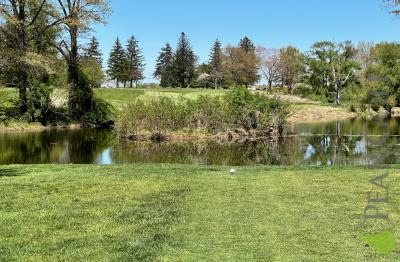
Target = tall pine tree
(247,45)
(92,51)
(165,67)
(216,63)
(135,61)
(117,63)
(91,64)
(184,62)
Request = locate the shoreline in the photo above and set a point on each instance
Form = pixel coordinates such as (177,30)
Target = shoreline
(35,127)
(300,114)
(310,114)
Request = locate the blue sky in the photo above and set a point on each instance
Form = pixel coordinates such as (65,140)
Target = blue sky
(270,23)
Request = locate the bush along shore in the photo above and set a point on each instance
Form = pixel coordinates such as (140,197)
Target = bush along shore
(237,115)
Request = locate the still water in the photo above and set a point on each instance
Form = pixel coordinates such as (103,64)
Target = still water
(338,143)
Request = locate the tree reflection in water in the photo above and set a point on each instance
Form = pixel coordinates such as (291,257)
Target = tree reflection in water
(53,146)
(340,143)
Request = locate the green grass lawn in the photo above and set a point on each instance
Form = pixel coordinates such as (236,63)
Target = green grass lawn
(122,96)
(119,97)
(191,213)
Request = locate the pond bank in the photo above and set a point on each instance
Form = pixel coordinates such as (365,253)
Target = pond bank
(19,126)
(318,113)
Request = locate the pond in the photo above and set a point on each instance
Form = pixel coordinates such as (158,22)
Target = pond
(354,142)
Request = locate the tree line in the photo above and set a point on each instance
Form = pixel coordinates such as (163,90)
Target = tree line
(233,65)
(40,45)
(126,65)
(328,70)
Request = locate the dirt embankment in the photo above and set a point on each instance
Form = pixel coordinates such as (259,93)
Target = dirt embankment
(318,113)
(308,111)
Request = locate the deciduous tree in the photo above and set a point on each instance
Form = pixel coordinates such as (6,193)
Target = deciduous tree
(393,6)
(291,66)
(21,26)
(269,64)
(333,66)
(77,17)
(241,67)
(364,53)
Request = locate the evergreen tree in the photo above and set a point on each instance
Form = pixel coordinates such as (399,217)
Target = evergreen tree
(92,51)
(250,61)
(184,62)
(117,63)
(216,63)
(247,45)
(91,64)
(135,61)
(165,67)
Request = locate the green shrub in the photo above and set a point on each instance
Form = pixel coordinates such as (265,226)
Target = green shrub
(313,93)
(250,111)
(303,90)
(238,109)
(9,106)
(354,96)
(392,101)
(376,96)
(38,103)
(93,72)
(100,116)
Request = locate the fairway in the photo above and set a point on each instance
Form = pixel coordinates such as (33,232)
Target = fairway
(120,97)
(190,213)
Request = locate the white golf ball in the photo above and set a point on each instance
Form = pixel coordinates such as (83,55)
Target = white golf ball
(233,171)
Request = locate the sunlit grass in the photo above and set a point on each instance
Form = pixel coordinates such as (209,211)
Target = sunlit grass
(7,95)
(122,96)
(189,213)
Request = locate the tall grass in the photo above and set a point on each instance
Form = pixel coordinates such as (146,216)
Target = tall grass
(237,110)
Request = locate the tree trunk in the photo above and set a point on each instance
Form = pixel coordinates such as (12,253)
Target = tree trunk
(73,63)
(131,83)
(338,96)
(23,76)
(270,84)
(215,83)
(80,95)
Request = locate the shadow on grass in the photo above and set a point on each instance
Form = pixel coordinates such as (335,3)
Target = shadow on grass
(10,172)
(152,221)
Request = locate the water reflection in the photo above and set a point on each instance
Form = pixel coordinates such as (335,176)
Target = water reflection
(53,146)
(324,144)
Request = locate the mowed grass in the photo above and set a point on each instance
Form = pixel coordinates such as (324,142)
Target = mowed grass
(190,213)
(120,97)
